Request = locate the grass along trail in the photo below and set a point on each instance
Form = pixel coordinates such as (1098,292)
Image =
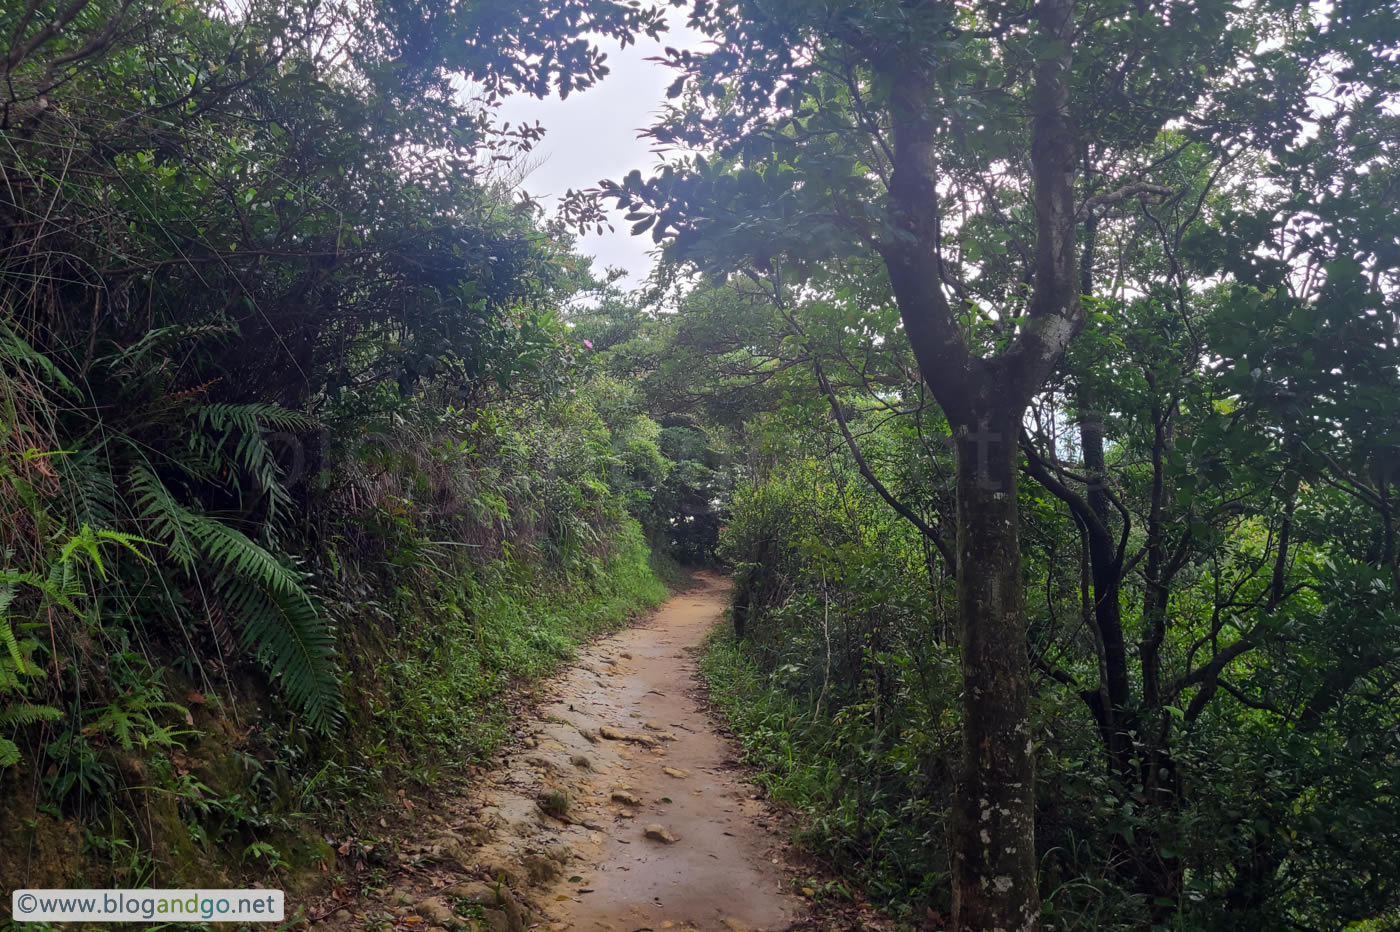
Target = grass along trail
(625,811)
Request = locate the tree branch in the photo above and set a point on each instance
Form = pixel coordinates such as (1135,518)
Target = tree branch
(1127,191)
(904,511)
(1055,314)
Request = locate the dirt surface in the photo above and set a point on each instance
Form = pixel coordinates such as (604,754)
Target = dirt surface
(625,810)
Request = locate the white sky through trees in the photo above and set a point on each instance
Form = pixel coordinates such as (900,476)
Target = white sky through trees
(594,135)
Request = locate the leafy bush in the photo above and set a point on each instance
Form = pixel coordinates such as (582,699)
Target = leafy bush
(840,688)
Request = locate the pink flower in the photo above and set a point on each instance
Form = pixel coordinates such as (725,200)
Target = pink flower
(588,343)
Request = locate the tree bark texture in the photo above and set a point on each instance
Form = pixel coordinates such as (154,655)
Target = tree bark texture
(994,858)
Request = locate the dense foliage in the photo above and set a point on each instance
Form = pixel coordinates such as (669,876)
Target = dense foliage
(296,442)
(981,160)
(1099,299)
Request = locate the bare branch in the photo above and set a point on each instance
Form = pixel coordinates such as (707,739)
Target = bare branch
(1135,189)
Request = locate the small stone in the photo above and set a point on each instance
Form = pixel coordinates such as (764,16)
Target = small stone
(473,891)
(450,847)
(734,925)
(518,919)
(673,772)
(626,813)
(542,869)
(342,915)
(626,655)
(433,909)
(651,726)
(503,872)
(591,736)
(496,920)
(627,799)
(583,763)
(611,733)
(665,736)
(657,832)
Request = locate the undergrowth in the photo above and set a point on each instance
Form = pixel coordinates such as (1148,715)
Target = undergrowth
(513,622)
(853,816)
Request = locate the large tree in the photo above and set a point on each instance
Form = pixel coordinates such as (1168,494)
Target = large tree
(970,148)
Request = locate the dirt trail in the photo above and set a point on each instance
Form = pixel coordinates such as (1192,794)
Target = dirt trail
(653,825)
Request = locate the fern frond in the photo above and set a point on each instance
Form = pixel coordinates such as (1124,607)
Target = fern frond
(290,635)
(253,417)
(165,515)
(279,619)
(89,485)
(129,541)
(19,714)
(250,422)
(9,753)
(235,551)
(57,586)
(161,339)
(14,349)
(7,634)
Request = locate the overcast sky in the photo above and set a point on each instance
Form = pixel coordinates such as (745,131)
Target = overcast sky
(593,135)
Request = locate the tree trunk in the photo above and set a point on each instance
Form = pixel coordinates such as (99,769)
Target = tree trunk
(994,876)
(1115,723)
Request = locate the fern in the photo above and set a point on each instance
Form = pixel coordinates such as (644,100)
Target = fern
(246,425)
(7,634)
(19,714)
(166,517)
(280,620)
(13,665)
(14,349)
(131,720)
(157,341)
(290,635)
(59,586)
(88,541)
